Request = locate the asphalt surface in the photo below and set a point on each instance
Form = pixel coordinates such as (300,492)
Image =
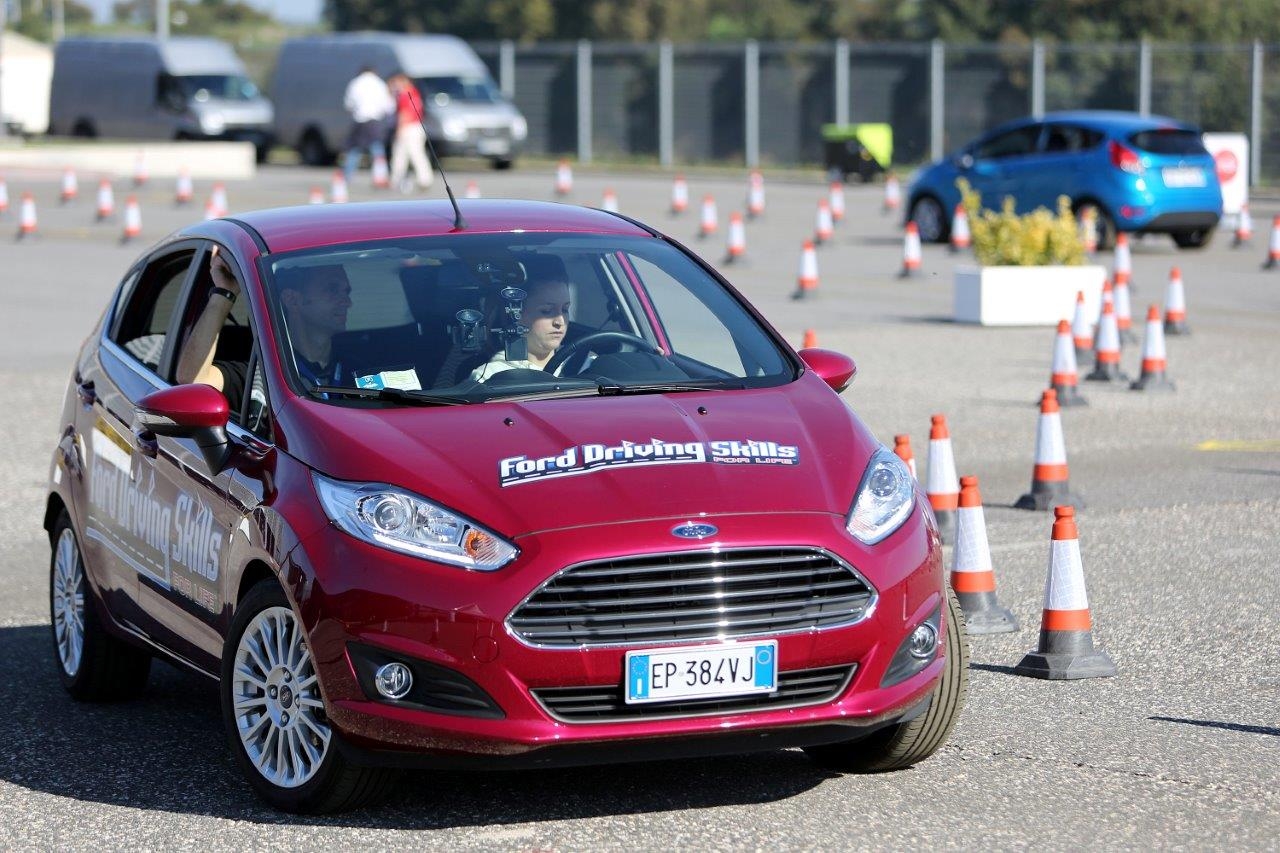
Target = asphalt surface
(1180,750)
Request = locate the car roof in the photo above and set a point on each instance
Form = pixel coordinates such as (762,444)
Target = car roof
(285,229)
(1115,119)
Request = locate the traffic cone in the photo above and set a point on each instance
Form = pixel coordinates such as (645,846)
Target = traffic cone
(1066,649)
(380,174)
(960,237)
(910,251)
(1244,227)
(564,178)
(810,339)
(710,218)
(1175,305)
(338,188)
(755,195)
(1122,265)
(1081,328)
(106,200)
(132,219)
(70,186)
(1153,356)
(27,217)
(1106,349)
(1273,251)
(1065,378)
(972,577)
(737,238)
(679,195)
(1089,229)
(892,193)
(218,198)
(1108,299)
(943,489)
(835,198)
(183,190)
(473,191)
(1124,311)
(1050,481)
(140,169)
(210,209)
(316,196)
(808,279)
(4,197)
(610,201)
(902,447)
(823,228)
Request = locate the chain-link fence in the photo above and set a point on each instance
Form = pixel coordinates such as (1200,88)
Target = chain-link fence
(765,103)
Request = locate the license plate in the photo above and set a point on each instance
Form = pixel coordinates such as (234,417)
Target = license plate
(1183,176)
(492,146)
(733,669)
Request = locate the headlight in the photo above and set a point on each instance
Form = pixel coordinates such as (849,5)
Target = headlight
(885,498)
(212,123)
(454,128)
(401,521)
(519,127)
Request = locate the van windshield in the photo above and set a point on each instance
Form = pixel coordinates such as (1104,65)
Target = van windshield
(227,87)
(475,90)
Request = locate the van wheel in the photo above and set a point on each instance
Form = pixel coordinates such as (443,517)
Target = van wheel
(1196,239)
(93,665)
(84,129)
(313,151)
(896,747)
(502,164)
(274,714)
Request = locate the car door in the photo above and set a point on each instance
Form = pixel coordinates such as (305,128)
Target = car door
(1001,162)
(1063,162)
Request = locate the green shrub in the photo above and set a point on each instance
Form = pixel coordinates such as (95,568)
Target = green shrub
(1035,239)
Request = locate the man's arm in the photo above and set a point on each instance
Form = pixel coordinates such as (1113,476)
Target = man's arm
(195,362)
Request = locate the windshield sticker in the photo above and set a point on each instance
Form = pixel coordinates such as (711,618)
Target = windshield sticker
(585,458)
(404,380)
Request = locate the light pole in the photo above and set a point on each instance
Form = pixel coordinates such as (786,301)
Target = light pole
(162,19)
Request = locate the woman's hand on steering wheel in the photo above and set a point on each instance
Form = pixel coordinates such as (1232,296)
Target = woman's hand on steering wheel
(562,355)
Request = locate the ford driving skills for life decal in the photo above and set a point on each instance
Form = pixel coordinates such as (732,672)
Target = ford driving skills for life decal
(585,458)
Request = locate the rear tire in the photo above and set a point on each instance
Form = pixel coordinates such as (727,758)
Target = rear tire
(312,150)
(1196,239)
(1106,225)
(930,219)
(905,744)
(501,164)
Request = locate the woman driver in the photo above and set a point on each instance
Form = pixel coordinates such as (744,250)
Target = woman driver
(546,312)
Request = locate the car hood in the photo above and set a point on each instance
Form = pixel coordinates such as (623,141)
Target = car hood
(521,468)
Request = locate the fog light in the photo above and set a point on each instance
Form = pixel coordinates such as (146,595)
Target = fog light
(393,680)
(924,641)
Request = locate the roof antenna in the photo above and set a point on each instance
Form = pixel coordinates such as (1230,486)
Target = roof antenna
(459,224)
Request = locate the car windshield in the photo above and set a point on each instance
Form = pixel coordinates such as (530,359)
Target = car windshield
(442,90)
(228,87)
(473,318)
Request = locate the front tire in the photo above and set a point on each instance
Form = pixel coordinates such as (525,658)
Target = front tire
(930,219)
(1106,225)
(93,665)
(1197,239)
(905,744)
(312,150)
(274,714)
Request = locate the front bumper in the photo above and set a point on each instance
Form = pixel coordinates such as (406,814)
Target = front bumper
(362,597)
(494,143)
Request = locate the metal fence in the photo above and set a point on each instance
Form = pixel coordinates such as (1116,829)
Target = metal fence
(762,103)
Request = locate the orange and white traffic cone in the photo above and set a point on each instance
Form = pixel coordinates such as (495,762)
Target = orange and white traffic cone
(807,282)
(679,195)
(1065,378)
(892,194)
(1106,349)
(1153,356)
(737,239)
(380,174)
(183,190)
(710,220)
(564,178)
(1081,328)
(823,227)
(70,186)
(835,198)
(140,174)
(1066,649)
(1175,305)
(609,201)
(316,196)
(1107,299)
(132,219)
(961,239)
(218,198)
(1050,479)
(338,188)
(473,191)
(942,486)
(210,209)
(910,251)
(902,448)
(1124,311)
(4,197)
(1089,229)
(1273,249)
(1244,227)
(1122,265)
(972,576)
(755,195)
(810,339)
(27,217)
(106,200)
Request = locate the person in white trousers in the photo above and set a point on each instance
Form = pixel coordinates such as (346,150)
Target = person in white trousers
(410,141)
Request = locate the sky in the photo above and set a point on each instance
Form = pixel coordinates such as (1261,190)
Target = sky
(288,11)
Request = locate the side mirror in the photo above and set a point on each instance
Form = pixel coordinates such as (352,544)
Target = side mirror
(965,161)
(197,412)
(833,368)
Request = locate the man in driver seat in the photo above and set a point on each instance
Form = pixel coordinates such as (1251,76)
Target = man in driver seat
(546,313)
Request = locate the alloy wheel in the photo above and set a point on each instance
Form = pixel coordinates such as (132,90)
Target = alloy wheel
(68,602)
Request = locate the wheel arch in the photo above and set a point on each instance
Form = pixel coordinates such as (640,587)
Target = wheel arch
(53,508)
(254,573)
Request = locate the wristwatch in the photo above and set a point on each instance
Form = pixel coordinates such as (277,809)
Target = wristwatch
(222,291)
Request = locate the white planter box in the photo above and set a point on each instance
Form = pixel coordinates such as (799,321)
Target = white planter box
(1026,296)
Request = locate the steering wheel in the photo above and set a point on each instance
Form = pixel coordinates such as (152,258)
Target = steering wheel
(565,352)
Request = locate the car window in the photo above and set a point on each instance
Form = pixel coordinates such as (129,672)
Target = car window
(1012,143)
(1070,138)
(255,414)
(1169,140)
(143,323)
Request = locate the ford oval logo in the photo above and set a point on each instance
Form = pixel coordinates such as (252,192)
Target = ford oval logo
(695,530)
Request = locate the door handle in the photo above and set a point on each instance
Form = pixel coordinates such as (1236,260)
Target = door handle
(145,441)
(86,392)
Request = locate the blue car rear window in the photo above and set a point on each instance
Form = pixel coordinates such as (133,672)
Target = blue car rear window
(1168,141)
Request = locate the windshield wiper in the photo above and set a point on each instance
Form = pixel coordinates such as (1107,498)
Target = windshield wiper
(610,389)
(398,395)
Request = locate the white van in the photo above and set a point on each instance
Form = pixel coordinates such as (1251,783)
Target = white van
(147,88)
(26,68)
(466,114)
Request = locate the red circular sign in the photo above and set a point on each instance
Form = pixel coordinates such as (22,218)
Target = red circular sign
(1226,164)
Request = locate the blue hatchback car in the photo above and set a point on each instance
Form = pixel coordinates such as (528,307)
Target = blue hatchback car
(1143,174)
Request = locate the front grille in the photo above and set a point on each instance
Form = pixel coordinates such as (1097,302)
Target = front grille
(606,704)
(700,595)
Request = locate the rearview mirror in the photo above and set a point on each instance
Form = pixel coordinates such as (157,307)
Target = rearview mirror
(197,412)
(833,368)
